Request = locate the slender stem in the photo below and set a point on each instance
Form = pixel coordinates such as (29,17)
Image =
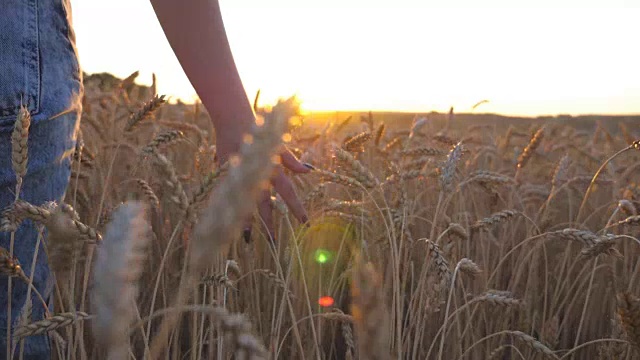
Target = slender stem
(446,312)
(160,270)
(586,301)
(591,343)
(435,216)
(595,176)
(503,332)
(9,281)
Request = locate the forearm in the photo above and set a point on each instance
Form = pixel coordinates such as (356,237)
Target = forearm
(196,33)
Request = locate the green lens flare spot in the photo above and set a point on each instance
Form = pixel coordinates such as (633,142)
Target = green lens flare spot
(322,256)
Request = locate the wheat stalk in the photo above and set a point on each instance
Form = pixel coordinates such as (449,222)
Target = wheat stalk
(52,323)
(534,344)
(218,279)
(318,192)
(346,206)
(458,230)
(441,263)
(117,269)
(467,266)
(417,125)
(627,207)
(494,219)
(416,164)
(179,197)
(487,178)
(393,144)
(338,178)
(356,168)
(10,266)
(204,190)
(422,151)
(442,138)
(379,134)
(449,167)
(19,147)
(274,278)
(64,243)
(560,173)
(633,220)
(528,151)
(162,139)
(370,315)
(356,143)
(501,298)
(629,313)
(216,228)
(604,244)
(150,196)
(13,216)
(142,114)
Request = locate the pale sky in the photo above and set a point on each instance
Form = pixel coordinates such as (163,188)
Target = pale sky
(526,57)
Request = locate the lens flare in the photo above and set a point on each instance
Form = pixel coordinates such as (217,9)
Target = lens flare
(322,256)
(326,301)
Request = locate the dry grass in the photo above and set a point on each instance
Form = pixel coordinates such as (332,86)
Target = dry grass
(438,241)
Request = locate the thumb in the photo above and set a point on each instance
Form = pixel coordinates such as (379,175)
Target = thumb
(290,162)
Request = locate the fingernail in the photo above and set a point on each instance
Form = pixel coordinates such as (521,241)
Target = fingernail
(246,234)
(309,166)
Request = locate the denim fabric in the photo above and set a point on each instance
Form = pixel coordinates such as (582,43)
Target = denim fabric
(38,68)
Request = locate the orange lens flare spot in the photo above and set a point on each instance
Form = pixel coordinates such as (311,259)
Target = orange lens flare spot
(326,301)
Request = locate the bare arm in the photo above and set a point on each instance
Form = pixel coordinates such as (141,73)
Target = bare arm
(196,33)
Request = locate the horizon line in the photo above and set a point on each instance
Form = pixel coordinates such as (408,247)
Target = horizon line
(427,112)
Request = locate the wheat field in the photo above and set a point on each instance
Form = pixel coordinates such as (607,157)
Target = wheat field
(428,240)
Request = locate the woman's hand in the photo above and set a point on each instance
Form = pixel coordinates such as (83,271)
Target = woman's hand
(284,187)
(279,180)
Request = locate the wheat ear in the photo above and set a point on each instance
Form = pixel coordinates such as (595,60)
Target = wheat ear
(146,111)
(162,139)
(19,148)
(528,151)
(629,312)
(52,323)
(356,143)
(118,266)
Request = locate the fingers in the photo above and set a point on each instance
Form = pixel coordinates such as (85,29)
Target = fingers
(246,232)
(290,162)
(265,209)
(284,187)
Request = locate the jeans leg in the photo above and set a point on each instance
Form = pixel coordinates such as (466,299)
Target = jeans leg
(50,143)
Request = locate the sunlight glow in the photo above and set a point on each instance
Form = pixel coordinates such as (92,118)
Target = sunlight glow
(550,57)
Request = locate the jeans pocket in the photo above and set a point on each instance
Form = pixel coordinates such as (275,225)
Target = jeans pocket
(19,59)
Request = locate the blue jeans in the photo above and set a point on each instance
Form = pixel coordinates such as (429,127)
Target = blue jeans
(39,69)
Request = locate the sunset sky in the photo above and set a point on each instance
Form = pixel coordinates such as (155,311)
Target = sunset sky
(542,57)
